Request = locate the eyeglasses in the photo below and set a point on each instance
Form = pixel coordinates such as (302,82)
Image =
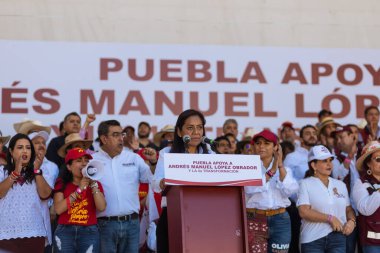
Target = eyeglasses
(118,135)
(377,159)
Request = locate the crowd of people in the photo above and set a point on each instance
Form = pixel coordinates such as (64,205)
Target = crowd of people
(320,192)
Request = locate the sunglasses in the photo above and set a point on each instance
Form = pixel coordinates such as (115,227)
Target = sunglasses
(377,159)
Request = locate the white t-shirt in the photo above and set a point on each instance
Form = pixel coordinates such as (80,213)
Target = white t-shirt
(328,200)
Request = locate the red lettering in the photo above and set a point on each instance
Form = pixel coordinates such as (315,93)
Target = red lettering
(88,96)
(8,100)
(54,105)
(166,69)
(108,65)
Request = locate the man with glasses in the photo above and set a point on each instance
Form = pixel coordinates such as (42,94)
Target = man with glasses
(119,223)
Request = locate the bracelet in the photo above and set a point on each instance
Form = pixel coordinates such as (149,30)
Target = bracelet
(94,185)
(270,173)
(347,160)
(95,192)
(15,174)
(73,196)
(79,190)
(353,220)
(329,218)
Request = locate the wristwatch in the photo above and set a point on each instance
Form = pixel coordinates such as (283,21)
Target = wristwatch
(38,172)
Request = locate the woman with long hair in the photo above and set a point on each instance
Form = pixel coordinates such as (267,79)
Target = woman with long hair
(76,200)
(190,123)
(21,189)
(324,206)
(366,195)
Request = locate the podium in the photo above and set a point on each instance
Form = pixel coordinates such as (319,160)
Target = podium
(207,219)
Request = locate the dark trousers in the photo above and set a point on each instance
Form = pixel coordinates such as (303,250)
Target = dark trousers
(295,227)
(23,245)
(162,232)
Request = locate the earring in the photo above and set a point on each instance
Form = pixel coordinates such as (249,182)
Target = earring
(315,172)
(369,172)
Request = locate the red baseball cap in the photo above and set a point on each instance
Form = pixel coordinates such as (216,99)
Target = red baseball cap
(267,135)
(76,153)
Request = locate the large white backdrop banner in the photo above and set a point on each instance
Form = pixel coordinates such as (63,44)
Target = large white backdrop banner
(258,86)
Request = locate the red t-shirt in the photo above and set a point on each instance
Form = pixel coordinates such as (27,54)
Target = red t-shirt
(82,211)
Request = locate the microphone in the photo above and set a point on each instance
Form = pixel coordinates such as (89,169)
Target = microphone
(186,139)
(206,140)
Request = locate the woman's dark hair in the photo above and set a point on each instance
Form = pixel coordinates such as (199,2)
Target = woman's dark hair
(28,173)
(217,140)
(310,171)
(66,175)
(287,147)
(178,144)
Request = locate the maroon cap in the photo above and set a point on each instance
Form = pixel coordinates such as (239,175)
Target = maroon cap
(287,124)
(267,135)
(76,153)
(341,129)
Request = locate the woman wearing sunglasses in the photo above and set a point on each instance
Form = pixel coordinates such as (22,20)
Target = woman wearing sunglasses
(366,195)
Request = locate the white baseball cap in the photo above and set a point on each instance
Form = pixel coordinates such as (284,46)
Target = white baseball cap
(42,134)
(319,152)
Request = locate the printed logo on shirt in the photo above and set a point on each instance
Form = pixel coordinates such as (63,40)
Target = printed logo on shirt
(128,164)
(79,213)
(337,194)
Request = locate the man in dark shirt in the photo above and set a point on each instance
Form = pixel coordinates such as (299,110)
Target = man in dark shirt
(71,124)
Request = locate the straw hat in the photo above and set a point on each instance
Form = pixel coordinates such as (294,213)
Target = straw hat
(29,126)
(71,139)
(368,150)
(326,121)
(158,136)
(4,139)
(249,133)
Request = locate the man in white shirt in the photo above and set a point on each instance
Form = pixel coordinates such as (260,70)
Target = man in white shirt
(123,171)
(49,171)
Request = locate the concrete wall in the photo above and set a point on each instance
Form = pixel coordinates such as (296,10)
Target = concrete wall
(294,23)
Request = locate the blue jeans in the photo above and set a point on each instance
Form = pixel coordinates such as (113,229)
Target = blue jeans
(334,242)
(351,241)
(72,238)
(119,236)
(371,249)
(279,233)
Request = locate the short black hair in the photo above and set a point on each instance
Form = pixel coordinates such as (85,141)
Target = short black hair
(71,114)
(306,126)
(143,123)
(104,127)
(367,109)
(324,112)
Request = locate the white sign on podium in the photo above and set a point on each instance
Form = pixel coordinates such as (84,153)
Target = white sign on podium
(213,170)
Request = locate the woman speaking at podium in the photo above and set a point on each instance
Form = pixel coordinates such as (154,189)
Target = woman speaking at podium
(268,220)
(188,133)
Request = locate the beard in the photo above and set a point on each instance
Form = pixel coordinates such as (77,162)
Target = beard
(143,136)
(310,143)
